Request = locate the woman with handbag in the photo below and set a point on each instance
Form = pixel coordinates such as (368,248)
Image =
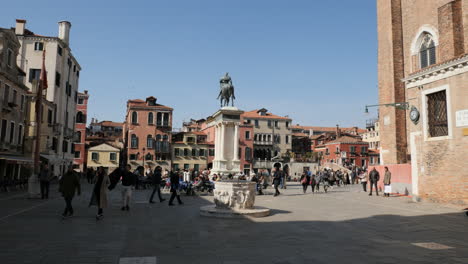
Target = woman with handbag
(305,179)
(99,197)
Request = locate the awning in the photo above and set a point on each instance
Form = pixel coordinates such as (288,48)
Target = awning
(55,160)
(17,159)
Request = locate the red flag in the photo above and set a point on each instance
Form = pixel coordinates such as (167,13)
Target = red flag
(43,79)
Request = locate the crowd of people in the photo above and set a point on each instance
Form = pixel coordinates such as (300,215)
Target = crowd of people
(192,181)
(354,175)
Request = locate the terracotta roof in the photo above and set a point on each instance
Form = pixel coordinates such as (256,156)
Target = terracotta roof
(374,151)
(142,103)
(316,136)
(108,123)
(300,135)
(255,114)
(327,129)
(346,139)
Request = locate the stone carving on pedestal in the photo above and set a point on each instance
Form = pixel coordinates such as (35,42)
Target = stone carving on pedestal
(232,198)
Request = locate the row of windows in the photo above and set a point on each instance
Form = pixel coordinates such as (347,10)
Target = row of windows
(95,156)
(268,138)
(162,119)
(39,46)
(149,140)
(352,149)
(270,123)
(10,137)
(194,152)
(12,98)
(149,156)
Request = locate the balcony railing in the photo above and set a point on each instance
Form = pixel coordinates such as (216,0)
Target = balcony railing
(162,147)
(264,143)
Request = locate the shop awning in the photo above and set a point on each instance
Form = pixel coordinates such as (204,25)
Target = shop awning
(18,159)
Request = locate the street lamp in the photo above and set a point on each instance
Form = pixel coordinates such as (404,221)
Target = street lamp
(402,106)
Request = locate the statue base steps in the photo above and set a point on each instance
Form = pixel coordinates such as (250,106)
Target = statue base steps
(212,211)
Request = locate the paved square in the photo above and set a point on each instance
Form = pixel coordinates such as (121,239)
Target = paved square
(344,225)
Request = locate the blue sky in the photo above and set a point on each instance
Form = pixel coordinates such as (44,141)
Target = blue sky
(315,61)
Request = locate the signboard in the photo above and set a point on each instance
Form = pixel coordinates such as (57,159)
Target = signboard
(461,118)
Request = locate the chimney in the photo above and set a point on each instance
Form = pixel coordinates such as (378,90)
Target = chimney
(64,31)
(338,131)
(355,130)
(20,26)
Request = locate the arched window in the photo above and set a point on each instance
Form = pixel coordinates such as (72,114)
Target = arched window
(134,117)
(166,119)
(248,153)
(159,119)
(78,136)
(149,142)
(165,138)
(134,141)
(150,118)
(80,117)
(269,138)
(427,51)
(158,137)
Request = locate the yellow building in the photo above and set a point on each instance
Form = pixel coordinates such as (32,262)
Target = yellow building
(103,155)
(190,151)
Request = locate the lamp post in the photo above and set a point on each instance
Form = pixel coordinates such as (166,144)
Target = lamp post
(402,105)
(144,157)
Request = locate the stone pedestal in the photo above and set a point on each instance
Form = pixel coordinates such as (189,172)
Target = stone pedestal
(226,122)
(234,199)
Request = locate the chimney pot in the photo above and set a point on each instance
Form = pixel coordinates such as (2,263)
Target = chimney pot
(20,26)
(64,31)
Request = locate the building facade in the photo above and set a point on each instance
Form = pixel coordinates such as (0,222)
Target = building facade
(103,155)
(423,62)
(190,151)
(80,160)
(147,133)
(271,134)
(63,72)
(105,128)
(14,107)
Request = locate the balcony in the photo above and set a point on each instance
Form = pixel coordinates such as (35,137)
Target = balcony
(57,128)
(263,143)
(69,133)
(162,147)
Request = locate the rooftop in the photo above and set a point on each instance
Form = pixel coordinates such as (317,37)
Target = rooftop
(257,114)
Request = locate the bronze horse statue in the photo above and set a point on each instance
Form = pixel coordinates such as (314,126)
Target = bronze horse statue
(226,92)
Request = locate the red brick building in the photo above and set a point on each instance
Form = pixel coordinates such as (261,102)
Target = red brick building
(147,134)
(423,64)
(345,150)
(79,161)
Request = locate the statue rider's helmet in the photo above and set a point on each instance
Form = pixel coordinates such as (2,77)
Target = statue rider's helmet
(225,79)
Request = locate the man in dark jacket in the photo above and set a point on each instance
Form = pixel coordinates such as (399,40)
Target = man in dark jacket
(277,180)
(157,184)
(128,182)
(175,188)
(44,179)
(374,177)
(69,183)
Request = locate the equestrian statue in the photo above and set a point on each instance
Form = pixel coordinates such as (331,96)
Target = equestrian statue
(226,92)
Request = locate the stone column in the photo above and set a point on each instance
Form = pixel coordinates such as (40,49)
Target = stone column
(236,142)
(221,143)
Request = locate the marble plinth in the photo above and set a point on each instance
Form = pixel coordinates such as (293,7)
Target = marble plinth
(234,199)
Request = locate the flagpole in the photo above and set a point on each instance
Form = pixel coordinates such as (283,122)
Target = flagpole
(33,181)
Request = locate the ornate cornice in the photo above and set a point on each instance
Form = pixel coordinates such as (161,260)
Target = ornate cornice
(438,72)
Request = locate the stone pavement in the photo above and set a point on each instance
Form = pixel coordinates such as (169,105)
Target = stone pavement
(342,226)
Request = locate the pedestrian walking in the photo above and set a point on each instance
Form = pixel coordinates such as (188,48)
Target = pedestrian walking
(363,177)
(374,177)
(129,181)
(157,178)
(305,180)
(175,188)
(387,182)
(99,196)
(68,185)
(277,180)
(44,180)
(316,181)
